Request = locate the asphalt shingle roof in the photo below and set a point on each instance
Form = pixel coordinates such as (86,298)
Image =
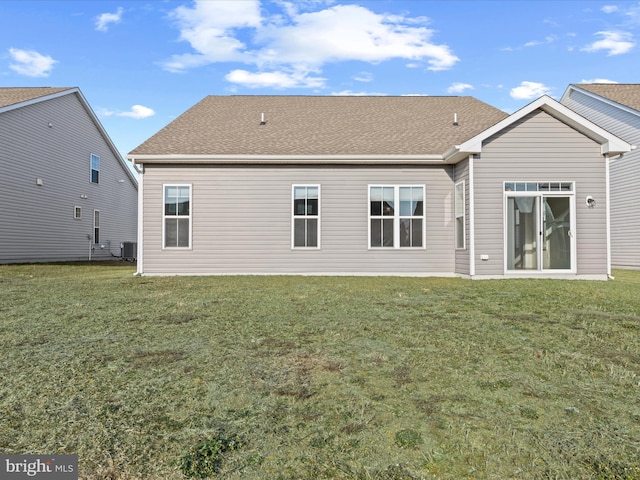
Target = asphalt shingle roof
(13,95)
(625,94)
(322,125)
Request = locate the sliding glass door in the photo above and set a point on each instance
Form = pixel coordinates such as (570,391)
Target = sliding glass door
(539,226)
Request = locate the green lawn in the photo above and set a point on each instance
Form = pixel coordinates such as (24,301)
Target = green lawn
(320,377)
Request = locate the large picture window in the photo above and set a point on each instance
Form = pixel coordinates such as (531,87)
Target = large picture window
(396,216)
(460,212)
(177,216)
(306,216)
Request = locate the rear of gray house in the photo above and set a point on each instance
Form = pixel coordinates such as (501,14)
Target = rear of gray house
(67,193)
(419,186)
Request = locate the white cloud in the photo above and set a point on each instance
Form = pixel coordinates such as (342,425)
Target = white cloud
(292,41)
(609,9)
(364,77)
(275,79)
(210,29)
(614,42)
(598,80)
(352,32)
(350,93)
(547,40)
(459,87)
(103,20)
(529,90)
(31,63)
(137,112)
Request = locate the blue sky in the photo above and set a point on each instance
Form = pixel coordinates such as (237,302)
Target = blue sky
(140,63)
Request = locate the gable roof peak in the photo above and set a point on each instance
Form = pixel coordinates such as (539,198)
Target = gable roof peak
(611,145)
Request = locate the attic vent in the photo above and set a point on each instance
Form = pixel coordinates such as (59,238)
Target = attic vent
(262,120)
(455,119)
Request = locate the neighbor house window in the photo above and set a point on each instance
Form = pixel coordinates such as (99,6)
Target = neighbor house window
(306,216)
(95,168)
(77,212)
(460,212)
(177,216)
(396,216)
(96,226)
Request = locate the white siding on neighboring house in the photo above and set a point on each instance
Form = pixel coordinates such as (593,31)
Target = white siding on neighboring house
(242,220)
(539,148)
(45,175)
(624,175)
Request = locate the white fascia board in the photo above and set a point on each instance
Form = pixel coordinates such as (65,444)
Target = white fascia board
(290,159)
(610,144)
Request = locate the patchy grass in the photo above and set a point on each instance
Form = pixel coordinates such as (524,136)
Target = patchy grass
(320,377)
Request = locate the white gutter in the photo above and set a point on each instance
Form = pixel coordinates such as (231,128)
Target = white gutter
(472,223)
(289,159)
(608,215)
(139,250)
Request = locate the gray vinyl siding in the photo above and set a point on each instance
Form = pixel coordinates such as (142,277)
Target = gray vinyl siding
(540,148)
(624,175)
(242,221)
(37,222)
(462,265)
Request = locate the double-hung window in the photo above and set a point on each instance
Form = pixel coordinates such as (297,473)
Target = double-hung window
(95,168)
(460,213)
(177,216)
(306,216)
(396,216)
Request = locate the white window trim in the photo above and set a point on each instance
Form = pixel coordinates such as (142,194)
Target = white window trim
(77,212)
(294,216)
(541,194)
(190,216)
(396,216)
(464,215)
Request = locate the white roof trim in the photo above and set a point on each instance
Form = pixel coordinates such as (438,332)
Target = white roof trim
(610,144)
(289,159)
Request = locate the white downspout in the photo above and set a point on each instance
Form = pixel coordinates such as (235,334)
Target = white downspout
(140,249)
(472,227)
(608,215)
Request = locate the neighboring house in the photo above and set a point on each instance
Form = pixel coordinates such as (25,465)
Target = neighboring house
(67,194)
(375,186)
(616,108)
